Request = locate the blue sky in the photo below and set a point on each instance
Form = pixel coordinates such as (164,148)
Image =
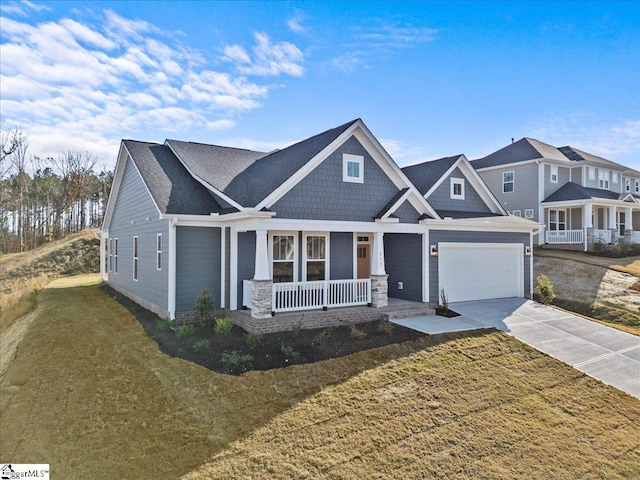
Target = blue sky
(430,79)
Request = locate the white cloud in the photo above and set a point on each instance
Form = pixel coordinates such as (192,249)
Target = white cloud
(295,23)
(82,86)
(21,8)
(404,154)
(269,59)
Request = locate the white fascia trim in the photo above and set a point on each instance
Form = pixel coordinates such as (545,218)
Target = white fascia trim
(443,177)
(387,220)
(203,183)
(479,225)
(284,224)
(593,201)
(506,165)
(396,205)
(214,220)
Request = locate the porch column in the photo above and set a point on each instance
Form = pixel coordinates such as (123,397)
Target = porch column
(612,218)
(628,227)
(588,225)
(379,277)
(262,284)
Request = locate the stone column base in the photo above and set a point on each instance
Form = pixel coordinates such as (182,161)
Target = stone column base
(379,291)
(261,298)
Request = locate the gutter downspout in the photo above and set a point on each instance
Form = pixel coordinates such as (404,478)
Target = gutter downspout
(171,283)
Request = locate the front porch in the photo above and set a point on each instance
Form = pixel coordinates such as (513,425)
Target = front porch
(591,225)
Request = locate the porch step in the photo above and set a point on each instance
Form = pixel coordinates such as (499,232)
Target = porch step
(410,313)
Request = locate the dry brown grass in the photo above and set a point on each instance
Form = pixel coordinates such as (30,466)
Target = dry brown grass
(23,274)
(630,265)
(88,392)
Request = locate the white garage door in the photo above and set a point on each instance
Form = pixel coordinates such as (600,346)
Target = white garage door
(478,271)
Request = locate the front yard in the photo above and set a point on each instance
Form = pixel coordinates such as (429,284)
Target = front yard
(85,389)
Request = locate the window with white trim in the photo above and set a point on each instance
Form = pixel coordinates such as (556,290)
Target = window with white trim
(614,177)
(159,252)
(110,248)
(627,184)
(315,260)
(603,179)
(528,213)
(591,173)
(283,260)
(135,258)
(352,168)
(637,186)
(554,173)
(517,213)
(508,182)
(115,255)
(457,188)
(557,220)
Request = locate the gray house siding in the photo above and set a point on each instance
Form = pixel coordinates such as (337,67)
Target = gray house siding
(341,256)
(525,194)
(437,236)
(563,177)
(197,265)
(441,199)
(403,262)
(407,214)
(322,195)
(246,260)
(135,214)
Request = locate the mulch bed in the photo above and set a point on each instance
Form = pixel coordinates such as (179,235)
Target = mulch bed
(275,350)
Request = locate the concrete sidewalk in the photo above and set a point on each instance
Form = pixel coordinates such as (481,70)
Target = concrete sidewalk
(610,355)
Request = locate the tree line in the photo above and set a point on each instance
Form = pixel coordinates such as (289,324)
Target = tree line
(44,199)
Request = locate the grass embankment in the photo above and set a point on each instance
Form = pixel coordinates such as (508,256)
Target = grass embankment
(23,274)
(630,265)
(90,393)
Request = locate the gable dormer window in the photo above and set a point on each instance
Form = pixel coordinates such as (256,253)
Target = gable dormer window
(457,188)
(508,182)
(627,184)
(603,179)
(352,168)
(591,172)
(614,177)
(637,186)
(554,174)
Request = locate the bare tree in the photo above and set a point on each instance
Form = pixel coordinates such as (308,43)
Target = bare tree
(11,141)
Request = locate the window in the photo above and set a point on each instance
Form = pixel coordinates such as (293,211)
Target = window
(603,179)
(528,213)
(637,186)
(507,182)
(283,262)
(352,168)
(591,172)
(627,184)
(159,252)
(110,248)
(554,174)
(364,239)
(557,220)
(517,213)
(135,258)
(614,178)
(115,255)
(457,188)
(315,267)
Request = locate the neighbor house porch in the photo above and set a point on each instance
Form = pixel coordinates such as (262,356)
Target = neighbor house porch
(590,223)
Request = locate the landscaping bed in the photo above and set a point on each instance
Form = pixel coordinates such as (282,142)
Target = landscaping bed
(238,351)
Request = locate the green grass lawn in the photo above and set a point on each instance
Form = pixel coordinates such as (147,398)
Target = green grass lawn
(87,391)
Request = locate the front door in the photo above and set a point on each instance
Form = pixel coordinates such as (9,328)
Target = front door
(364,260)
(621,223)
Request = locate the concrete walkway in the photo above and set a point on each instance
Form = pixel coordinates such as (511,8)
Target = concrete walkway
(610,355)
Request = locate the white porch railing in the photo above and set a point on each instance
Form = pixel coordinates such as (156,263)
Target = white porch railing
(635,238)
(602,235)
(565,236)
(292,296)
(246,293)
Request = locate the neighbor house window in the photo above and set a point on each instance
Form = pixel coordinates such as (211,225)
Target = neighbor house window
(135,258)
(352,168)
(627,185)
(554,174)
(315,266)
(603,179)
(283,261)
(457,188)
(637,186)
(159,252)
(115,255)
(507,182)
(517,213)
(591,172)
(614,178)
(557,220)
(110,248)
(528,213)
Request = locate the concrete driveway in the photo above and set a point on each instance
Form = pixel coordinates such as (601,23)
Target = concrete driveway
(605,353)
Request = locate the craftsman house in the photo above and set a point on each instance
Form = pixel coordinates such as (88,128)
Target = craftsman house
(581,199)
(328,222)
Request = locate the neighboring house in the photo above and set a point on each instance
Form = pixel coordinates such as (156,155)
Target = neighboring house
(580,198)
(331,221)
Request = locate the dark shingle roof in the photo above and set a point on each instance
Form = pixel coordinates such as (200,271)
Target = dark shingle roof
(172,187)
(391,203)
(425,175)
(520,151)
(573,191)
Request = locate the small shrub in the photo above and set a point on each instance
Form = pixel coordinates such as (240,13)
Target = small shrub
(384,327)
(185,330)
(253,340)
(201,345)
(322,336)
(232,360)
(355,332)
(289,351)
(223,326)
(203,307)
(164,324)
(545,289)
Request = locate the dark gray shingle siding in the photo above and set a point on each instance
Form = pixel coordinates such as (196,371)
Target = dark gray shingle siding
(426,175)
(441,199)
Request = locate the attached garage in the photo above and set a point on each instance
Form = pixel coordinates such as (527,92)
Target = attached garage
(479,271)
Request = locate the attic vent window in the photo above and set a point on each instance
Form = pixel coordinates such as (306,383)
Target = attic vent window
(352,168)
(457,188)
(554,174)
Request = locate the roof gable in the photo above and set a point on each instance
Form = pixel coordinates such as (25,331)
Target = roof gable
(523,150)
